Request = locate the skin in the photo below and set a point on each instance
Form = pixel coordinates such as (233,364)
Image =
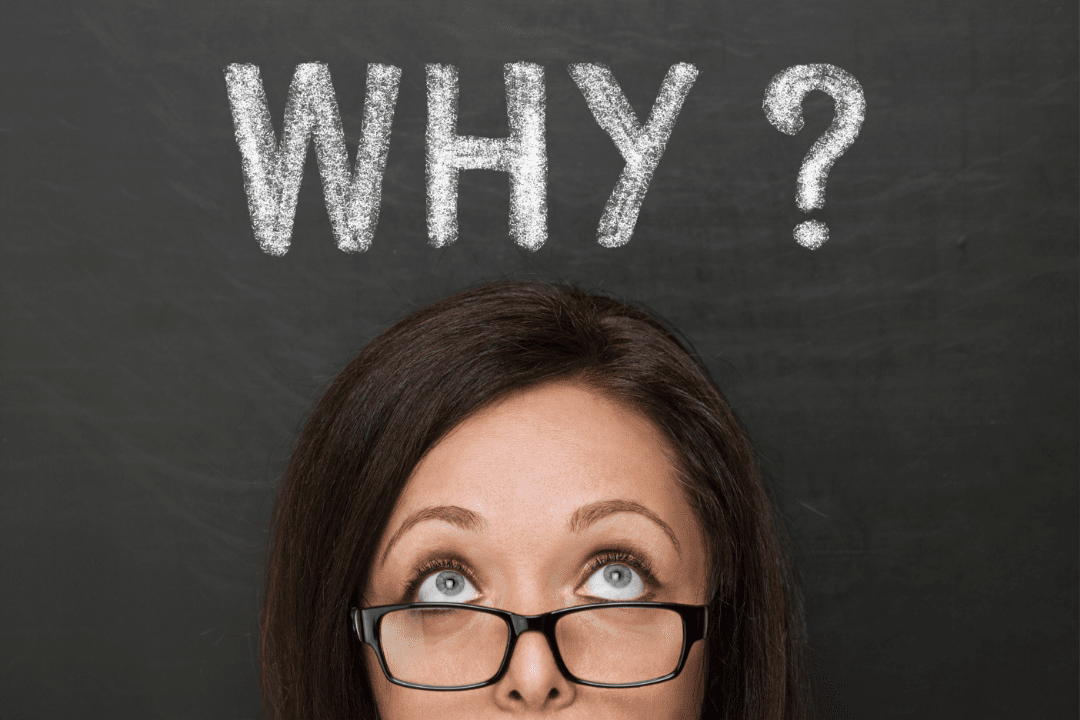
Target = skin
(521,469)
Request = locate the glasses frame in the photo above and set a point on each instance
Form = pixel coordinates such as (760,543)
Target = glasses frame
(367,623)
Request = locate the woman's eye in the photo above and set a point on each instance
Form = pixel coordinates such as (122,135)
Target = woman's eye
(446,586)
(615,582)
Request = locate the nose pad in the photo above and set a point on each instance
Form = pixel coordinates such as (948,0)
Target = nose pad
(526,623)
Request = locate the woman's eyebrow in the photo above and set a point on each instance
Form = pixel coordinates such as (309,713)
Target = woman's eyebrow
(586,515)
(454,514)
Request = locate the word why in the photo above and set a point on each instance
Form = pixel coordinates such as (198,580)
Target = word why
(273,170)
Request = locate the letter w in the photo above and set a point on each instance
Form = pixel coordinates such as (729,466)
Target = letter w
(272,171)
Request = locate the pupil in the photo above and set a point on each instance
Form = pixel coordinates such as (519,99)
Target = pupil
(617,575)
(447,583)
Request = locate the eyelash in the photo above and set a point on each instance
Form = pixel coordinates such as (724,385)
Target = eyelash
(623,557)
(601,559)
(432,566)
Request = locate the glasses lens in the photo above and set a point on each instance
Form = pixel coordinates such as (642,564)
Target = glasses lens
(443,647)
(620,645)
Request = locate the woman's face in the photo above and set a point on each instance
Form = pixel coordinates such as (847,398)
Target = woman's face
(553,497)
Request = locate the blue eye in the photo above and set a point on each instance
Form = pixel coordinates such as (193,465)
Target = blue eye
(446,586)
(616,582)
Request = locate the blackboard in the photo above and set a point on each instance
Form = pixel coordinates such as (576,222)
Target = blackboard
(912,383)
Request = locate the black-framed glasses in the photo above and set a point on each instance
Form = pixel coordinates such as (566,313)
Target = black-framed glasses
(453,646)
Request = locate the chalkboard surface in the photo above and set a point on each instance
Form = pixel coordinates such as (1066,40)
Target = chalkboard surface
(912,382)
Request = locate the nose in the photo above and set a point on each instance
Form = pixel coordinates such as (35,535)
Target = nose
(533,680)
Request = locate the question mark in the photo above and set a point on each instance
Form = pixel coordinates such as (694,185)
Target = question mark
(783,108)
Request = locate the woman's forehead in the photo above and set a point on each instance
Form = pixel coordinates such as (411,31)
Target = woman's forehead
(544,452)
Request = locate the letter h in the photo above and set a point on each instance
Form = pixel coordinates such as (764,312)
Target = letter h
(523,154)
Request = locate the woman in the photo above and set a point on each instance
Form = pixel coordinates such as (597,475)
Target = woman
(509,453)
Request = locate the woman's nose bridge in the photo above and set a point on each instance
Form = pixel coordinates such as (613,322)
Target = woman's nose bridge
(535,623)
(536,676)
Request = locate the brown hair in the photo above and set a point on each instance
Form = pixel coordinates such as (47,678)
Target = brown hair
(431,371)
